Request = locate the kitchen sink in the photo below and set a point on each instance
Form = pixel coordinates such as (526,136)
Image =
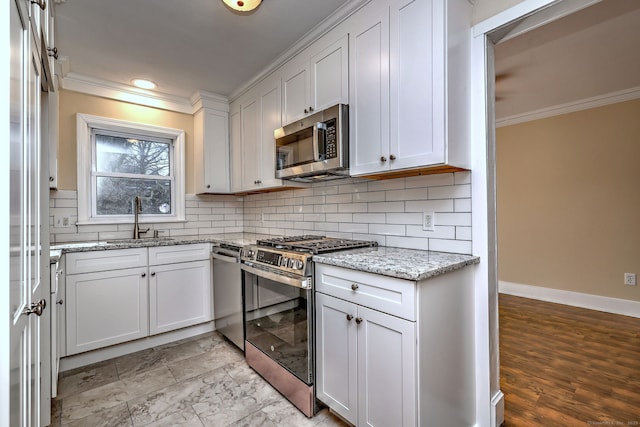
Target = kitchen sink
(144,239)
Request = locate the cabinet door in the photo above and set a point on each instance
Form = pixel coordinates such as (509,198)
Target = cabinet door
(295,90)
(270,120)
(386,370)
(330,75)
(211,148)
(369,91)
(179,295)
(106,308)
(235,137)
(417,108)
(336,356)
(249,114)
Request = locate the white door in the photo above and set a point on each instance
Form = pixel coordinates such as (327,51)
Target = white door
(337,356)
(25,287)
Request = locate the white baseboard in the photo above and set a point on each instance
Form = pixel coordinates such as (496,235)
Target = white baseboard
(90,357)
(497,409)
(576,299)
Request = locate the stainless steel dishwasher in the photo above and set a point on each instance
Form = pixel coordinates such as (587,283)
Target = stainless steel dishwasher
(227,292)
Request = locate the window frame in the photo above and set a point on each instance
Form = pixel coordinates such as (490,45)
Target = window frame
(85,126)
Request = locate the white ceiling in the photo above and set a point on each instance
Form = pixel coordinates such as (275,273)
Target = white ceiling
(191,45)
(590,53)
(182,45)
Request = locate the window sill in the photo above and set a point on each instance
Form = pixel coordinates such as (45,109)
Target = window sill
(111,221)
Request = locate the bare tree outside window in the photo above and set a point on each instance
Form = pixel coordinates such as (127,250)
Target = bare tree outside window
(127,167)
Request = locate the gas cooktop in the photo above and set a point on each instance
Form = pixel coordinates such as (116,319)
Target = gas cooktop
(314,244)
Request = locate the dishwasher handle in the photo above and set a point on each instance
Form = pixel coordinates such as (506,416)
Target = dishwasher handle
(225,258)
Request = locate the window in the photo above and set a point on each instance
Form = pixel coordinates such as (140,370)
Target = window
(119,160)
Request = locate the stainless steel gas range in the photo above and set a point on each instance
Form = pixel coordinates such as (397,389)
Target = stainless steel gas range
(278,305)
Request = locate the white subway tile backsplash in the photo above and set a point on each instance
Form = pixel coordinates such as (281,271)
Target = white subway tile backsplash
(387,211)
(387,229)
(404,218)
(450,192)
(386,207)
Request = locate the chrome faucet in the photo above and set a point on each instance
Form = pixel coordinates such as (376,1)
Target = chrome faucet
(137,209)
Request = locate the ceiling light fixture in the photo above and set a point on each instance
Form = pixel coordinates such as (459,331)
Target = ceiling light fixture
(143,83)
(242,5)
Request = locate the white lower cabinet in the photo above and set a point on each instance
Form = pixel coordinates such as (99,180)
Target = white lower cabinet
(119,295)
(394,352)
(179,295)
(106,308)
(365,363)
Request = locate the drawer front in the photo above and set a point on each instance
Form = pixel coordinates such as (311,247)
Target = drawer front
(160,255)
(116,259)
(393,296)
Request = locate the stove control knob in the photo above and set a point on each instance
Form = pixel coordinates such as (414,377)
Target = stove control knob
(299,264)
(292,263)
(283,261)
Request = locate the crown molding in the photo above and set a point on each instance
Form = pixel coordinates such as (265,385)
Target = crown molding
(209,100)
(120,92)
(337,17)
(571,107)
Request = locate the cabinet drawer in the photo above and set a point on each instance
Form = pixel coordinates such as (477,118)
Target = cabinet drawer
(160,255)
(393,296)
(116,259)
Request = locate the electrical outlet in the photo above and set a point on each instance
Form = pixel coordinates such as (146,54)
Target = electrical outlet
(630,279)
(62,221)
(428,221)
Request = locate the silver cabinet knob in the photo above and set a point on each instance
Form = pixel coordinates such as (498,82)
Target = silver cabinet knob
(311,109)
(306,111)
(153,274)
(208,186)
(383,159)
(144,274)
(358,320)
(349,317)
(60,302)
(392,157)
(354,286)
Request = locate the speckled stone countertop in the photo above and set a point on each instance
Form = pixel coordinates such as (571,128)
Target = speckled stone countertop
(410,264)
(238,238)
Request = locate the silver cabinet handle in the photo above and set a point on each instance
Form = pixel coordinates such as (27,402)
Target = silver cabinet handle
(349,317)
(354,286)
(36,308)
(392,157)
(311,109)
(358,320)
(383,159)
(306,111)
(153,274)
(60,302)
(144,274)
(208,186)
(52,51)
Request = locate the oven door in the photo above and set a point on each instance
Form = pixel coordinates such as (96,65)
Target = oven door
(278,318)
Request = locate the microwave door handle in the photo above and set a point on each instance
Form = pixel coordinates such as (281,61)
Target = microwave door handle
(319,141)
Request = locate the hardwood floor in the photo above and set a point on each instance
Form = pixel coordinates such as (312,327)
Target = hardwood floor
(567,366)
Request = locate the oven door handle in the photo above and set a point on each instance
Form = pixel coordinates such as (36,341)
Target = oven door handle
(225,258)
(305,283)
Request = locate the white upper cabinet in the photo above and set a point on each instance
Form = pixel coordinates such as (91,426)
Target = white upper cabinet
(211,151)
(255,117)
(409,85)
(317,78)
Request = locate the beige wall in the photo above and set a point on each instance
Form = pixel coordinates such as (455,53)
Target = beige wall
(74,102)
(484,9)
(569,201)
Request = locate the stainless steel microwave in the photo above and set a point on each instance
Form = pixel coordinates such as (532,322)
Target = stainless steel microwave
(315,147)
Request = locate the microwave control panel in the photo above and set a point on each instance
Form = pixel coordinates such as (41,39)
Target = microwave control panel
(331,145)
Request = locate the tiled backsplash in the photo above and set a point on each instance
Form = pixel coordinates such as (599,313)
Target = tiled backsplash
(388,211)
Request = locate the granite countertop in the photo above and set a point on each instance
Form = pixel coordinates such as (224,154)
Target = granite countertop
(57,250)
(410,264)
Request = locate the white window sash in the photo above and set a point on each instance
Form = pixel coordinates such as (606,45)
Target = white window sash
(87,174)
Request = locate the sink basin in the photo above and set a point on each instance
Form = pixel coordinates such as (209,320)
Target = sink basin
(144,239)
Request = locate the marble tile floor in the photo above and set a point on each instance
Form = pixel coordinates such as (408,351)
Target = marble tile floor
(200,381)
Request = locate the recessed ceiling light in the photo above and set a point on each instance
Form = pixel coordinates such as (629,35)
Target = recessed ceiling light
(143,83)
(242,5)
